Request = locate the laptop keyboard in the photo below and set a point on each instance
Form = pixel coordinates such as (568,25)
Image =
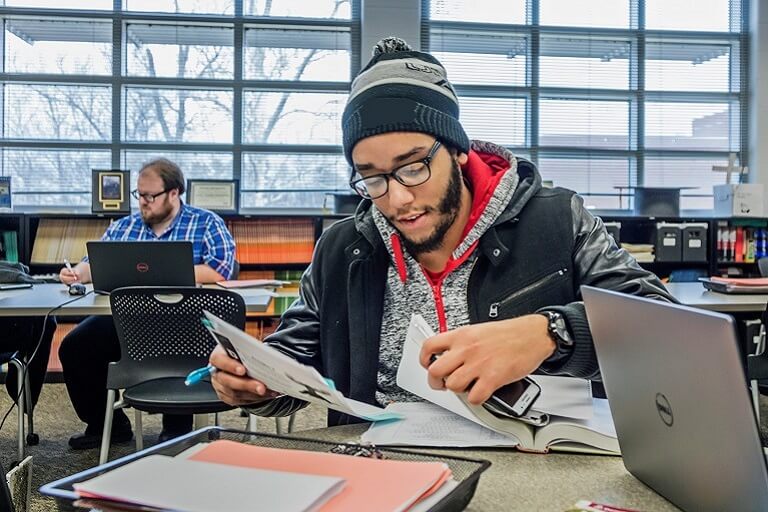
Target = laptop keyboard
(48,278)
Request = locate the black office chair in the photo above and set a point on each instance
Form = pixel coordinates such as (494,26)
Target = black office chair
(162,339)
(24,401)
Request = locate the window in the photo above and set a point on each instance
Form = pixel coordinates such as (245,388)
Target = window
(564,84)
(56,112)
(292,118)
(178,115)
(229,89)
(180,51)
(304,55)
(182,6)
(274,179)
(335,9)
(58,46)
(47,177)
(59,4)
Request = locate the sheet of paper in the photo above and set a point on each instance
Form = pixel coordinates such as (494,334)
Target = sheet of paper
(564,396)
(286,375)
(426,424)
(372,485)
(560,396)
(601,421)
(204,487)
(411,376)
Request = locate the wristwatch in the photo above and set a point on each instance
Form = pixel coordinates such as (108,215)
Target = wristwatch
(558,331)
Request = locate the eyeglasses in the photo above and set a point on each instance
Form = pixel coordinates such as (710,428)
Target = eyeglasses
(150,198)
(408,175)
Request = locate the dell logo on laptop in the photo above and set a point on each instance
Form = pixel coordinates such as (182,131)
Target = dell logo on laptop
(142,267)
(664,410)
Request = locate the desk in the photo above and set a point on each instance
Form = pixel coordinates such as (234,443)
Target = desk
(525,481)
(695,295)
(41,298)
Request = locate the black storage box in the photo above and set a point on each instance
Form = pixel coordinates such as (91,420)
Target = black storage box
(669,242)
(695,241)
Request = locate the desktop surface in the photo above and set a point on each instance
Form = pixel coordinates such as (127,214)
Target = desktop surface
(41,298)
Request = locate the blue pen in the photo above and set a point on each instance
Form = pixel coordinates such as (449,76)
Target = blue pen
(197,375)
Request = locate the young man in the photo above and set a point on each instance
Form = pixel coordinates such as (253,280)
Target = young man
(86,351)
(459,232)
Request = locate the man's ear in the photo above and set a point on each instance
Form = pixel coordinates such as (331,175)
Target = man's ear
(462,158)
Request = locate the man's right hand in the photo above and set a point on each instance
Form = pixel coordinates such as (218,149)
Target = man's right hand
(68,276)
(231,383)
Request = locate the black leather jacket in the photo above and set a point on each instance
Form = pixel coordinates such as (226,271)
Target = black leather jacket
(537,254)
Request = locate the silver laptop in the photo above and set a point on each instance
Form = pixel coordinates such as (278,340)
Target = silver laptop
(679,399)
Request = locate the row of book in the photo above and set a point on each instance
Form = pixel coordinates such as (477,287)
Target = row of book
(57,239)
(741,244)
(9,246)
(273,241)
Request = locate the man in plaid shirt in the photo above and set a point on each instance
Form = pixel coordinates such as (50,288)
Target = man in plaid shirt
(86,352)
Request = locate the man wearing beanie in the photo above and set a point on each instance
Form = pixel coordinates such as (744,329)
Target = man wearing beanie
(458,231)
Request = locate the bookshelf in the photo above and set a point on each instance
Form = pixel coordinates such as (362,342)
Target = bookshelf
(694,245)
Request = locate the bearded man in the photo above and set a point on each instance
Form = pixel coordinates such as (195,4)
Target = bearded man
(86,352)
(461,232)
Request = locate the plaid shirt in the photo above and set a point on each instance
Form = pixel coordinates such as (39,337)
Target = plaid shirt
(212,243)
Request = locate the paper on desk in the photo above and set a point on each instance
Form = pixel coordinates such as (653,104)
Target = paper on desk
(286,375)
(203,487)
(426,424)
(560,396)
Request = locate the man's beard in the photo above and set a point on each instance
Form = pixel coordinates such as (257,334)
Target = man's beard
(152,219)
(448,208)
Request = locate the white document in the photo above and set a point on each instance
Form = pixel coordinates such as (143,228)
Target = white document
(286,375)
(426,424)
(184,485)
(560,396)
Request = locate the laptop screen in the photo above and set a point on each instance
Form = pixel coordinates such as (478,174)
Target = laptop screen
(140,263)
(678,395)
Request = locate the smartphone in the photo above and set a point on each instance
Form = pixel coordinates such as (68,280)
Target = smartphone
(224,342)
(514,399)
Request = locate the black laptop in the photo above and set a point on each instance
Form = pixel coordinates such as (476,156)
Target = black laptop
(145,263)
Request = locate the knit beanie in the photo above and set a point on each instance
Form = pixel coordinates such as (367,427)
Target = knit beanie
(402,90)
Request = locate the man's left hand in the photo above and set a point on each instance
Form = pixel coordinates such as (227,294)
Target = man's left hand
(486,356)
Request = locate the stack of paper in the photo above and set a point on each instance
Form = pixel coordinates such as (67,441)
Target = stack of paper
(252,283)
(735,284)
(231,476)
(371,484)
(179,484)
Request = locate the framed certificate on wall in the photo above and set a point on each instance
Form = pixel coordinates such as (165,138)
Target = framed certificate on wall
(109,191)
(220,196)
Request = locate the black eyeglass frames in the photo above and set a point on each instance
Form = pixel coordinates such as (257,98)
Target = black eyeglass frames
(409,175)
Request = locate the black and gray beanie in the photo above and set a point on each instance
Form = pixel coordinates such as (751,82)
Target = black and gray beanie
(402,90)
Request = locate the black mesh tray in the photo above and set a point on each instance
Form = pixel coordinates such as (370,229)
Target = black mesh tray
(465,471)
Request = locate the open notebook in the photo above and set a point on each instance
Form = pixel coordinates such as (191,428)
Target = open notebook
(566,416)
(427,424)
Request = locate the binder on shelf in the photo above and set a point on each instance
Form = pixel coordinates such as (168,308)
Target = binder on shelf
(668,241)
(695,242)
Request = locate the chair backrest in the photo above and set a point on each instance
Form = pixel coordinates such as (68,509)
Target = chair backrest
(161,333)
(762,266)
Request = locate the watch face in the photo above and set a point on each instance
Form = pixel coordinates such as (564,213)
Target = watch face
(562,330)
